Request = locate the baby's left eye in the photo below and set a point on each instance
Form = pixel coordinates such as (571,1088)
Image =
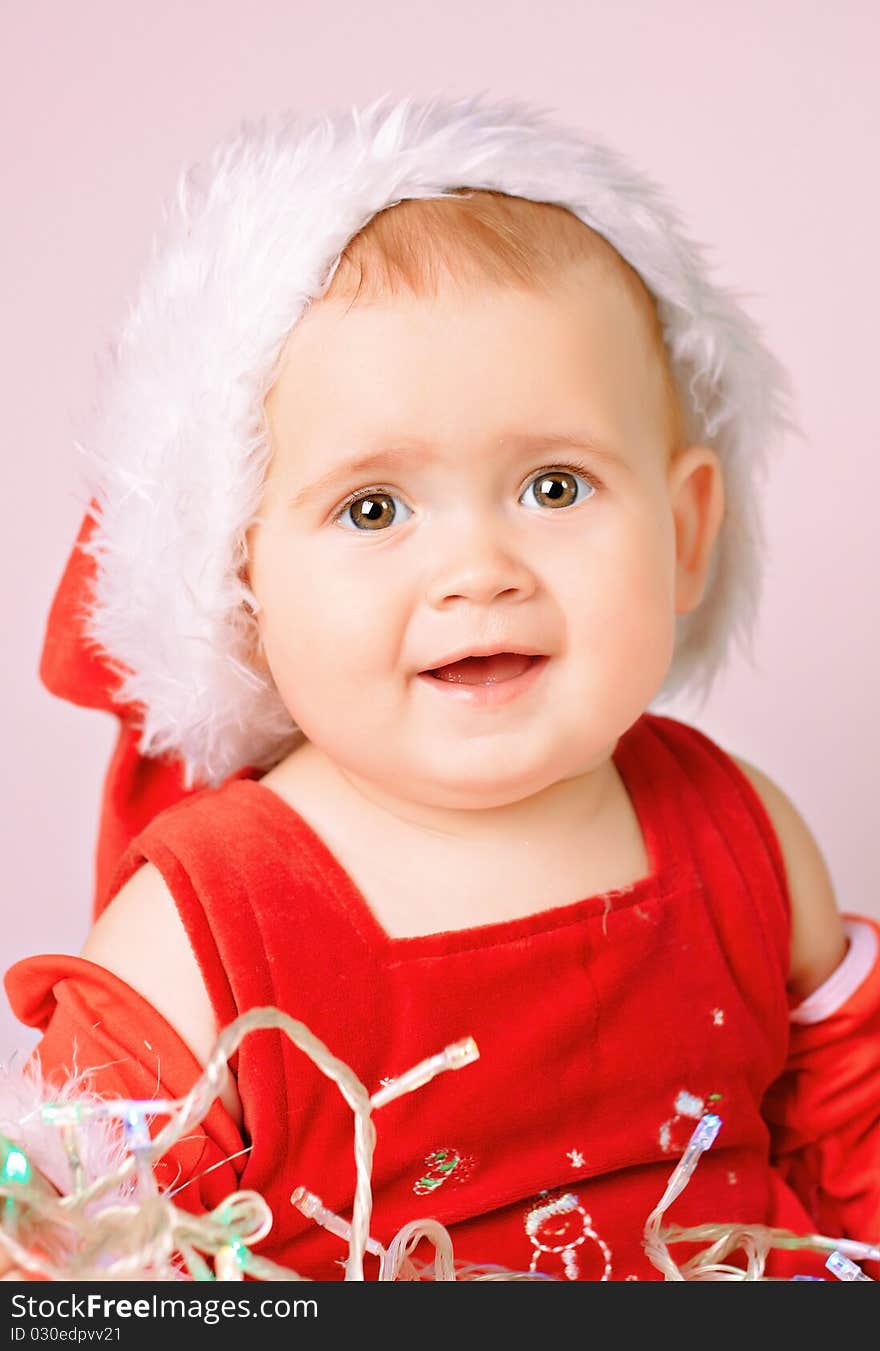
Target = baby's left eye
(558,488)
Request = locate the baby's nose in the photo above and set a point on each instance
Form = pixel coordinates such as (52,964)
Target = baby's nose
(481,568)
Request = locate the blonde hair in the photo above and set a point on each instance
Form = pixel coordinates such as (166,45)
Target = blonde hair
(476,237)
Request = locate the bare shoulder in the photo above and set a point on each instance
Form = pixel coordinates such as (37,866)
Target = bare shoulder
(818,941)
(140,938)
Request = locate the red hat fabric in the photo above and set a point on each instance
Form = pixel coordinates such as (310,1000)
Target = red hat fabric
(72,667)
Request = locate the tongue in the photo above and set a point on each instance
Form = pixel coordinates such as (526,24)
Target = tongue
(484,670)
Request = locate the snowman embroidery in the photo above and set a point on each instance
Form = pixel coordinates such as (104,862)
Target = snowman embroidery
(558,1228)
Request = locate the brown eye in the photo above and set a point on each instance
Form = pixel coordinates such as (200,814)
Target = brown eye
(557,488)
(373,511)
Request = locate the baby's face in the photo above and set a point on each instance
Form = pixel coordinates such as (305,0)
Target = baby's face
(487,471)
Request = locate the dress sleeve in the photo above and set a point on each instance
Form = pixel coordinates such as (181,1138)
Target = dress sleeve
(101,1037)
(824,1110)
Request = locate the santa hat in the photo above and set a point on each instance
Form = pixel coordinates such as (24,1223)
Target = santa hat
(178,443)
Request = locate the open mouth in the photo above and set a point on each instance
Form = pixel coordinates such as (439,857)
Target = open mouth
(496,669)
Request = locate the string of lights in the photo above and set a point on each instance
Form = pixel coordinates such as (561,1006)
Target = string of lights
(122,1226)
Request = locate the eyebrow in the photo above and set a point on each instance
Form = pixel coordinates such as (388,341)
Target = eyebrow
(399,456)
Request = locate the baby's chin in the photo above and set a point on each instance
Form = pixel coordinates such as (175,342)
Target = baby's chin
(480,783)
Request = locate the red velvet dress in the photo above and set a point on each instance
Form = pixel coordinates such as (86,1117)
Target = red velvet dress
(605,1028)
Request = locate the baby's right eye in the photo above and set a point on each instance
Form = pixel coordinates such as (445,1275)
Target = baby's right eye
(375,509)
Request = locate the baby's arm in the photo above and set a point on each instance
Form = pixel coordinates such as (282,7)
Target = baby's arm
(818,940)
(824,1110)
(140,938)
(130,1018)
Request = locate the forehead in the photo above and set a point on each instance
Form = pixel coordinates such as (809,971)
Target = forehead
(470,358)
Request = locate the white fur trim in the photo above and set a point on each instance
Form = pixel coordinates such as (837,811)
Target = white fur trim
(856,966)
(100,1143)
(179,443)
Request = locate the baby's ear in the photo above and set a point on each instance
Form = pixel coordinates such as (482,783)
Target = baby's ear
(696,491)
(255,653)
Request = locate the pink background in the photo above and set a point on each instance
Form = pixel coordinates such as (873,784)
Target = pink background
(761,119)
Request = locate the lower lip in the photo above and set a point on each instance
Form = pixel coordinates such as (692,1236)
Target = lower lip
(490,695)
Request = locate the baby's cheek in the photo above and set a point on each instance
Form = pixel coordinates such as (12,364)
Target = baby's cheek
(644,592)
(626,600)
(329,647)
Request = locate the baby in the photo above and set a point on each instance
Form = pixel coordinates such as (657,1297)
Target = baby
(486,532)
